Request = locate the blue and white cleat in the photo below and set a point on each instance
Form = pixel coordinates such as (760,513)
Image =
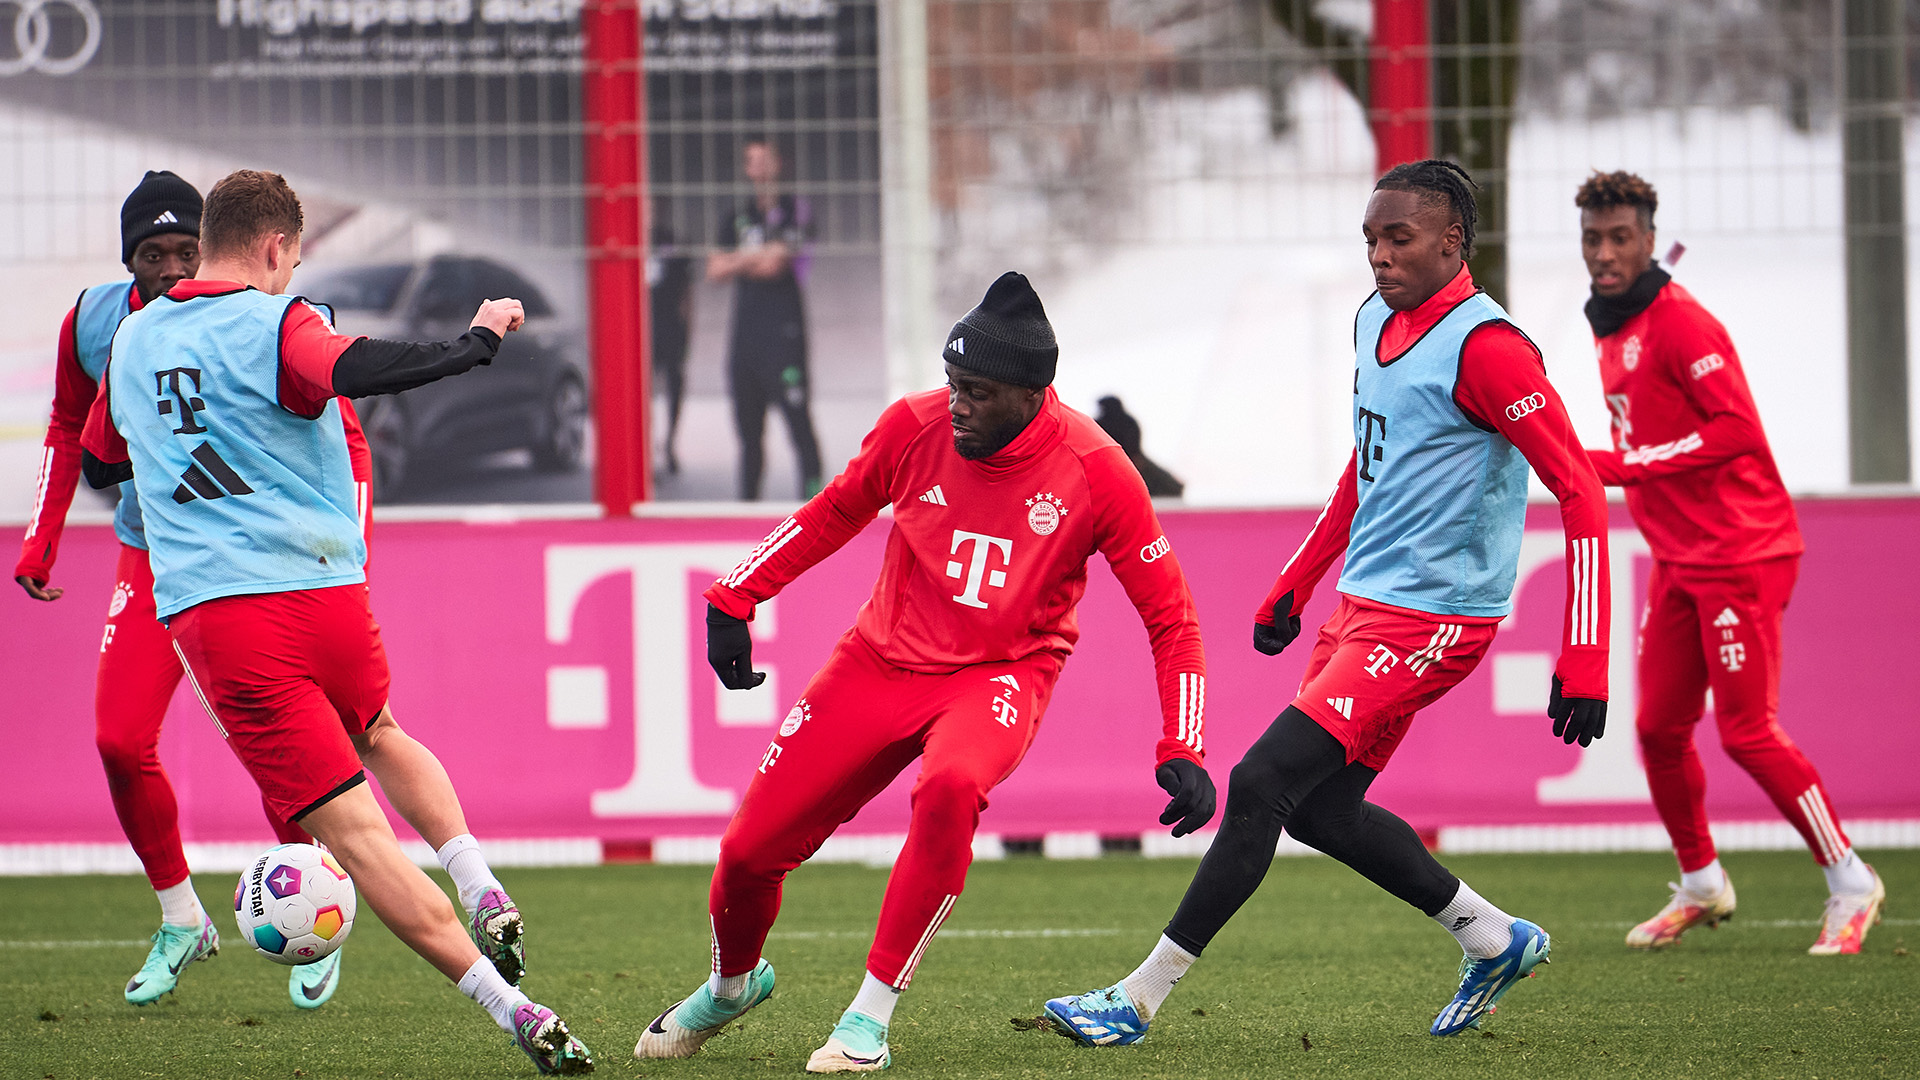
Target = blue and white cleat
(1098,1017)
(1484,982)
(682,1030)
(312,985)
(174,947)
(858,1044)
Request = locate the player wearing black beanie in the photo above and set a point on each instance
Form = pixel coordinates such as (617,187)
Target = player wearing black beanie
(1007,336)
(162,203)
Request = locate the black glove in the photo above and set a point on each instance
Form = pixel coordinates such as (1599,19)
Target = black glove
(1271,639)
(730,651)
(1574,718)
(1192,791)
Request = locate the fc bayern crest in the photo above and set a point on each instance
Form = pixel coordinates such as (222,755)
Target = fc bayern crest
(1044,513)
(1630,353)
(122,592)
(800,714)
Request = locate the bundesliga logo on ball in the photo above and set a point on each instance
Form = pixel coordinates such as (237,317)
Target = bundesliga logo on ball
(294,905)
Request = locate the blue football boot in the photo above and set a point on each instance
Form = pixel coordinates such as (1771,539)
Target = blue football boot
(1098,1017)
(1484,982)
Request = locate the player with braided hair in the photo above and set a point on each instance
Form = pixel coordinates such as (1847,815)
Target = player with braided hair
(1451,405)
(1702,485)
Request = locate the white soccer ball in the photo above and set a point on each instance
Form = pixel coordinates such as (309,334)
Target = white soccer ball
(294,904)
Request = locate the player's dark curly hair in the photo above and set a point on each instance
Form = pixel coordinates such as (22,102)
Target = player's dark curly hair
(1620,188)
(1436,180)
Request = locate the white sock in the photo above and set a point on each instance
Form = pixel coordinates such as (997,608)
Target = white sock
(1849,875)
(1704,882)
(180,907)
(461,858)
(1481,929)
(1153,980)
(727,987)
(483,984)
(875,999)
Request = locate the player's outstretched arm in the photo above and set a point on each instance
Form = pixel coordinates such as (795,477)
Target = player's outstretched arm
(362,367)
(1128,533)
(828,520)
(1277,622)
(73,394)
(1503,387)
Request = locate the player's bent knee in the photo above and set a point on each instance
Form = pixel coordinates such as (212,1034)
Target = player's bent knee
(120,755)
(949,791)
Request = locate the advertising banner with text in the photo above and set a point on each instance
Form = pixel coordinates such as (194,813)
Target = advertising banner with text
(558,669)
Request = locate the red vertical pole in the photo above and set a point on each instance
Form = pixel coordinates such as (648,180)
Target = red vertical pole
(612,100)
(1399,84)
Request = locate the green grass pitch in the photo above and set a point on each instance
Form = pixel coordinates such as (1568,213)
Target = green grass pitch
(1321,975)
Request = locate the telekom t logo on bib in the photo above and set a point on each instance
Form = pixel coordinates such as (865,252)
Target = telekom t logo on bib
(976,572)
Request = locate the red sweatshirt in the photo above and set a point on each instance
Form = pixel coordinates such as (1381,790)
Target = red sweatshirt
(73,398)
(1499,368)
(1701,481)
(987,560)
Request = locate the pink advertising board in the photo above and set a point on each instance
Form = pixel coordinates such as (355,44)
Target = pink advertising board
(558,669)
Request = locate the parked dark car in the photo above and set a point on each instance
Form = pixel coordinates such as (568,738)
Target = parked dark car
(532,397)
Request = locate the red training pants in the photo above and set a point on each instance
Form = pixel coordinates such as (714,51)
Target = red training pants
(132,687)
(860,722)
(1719,627)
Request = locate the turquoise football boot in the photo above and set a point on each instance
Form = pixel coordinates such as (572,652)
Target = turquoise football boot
(858,1044)
(682,1030)
(1099,1017)
(312,985)
(1484,982)
(174,947)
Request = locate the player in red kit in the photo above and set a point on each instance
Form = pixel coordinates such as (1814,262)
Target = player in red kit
(1702,485)
(138,670)
(1000,495)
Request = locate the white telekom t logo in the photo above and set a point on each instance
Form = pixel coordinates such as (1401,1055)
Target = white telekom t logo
(976,572)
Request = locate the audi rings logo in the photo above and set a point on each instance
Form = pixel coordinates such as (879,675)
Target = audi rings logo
(1526,406)
(33,37)
(1155,551)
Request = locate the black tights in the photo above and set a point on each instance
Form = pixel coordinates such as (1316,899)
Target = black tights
(1296,777)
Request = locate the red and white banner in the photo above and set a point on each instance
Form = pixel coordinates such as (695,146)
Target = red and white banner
(558,669)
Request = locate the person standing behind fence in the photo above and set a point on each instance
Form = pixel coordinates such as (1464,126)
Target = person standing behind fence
(761,249)
(670,318)
(1702,485)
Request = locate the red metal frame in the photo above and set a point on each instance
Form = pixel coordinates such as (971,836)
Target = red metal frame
(1400,84)
(613,100)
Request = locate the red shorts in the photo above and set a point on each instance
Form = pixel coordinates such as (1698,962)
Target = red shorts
(1373,667)
(288,679)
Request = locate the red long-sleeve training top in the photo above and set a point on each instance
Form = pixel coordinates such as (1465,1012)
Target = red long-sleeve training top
(1498,368)
(1701,480)
(987,560)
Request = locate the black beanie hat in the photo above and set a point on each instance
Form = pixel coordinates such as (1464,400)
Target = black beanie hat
(1007,337)
(163,203)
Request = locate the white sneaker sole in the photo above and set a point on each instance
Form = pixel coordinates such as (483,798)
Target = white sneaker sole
(836,1057)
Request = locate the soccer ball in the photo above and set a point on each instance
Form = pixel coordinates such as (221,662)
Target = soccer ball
(294,904)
